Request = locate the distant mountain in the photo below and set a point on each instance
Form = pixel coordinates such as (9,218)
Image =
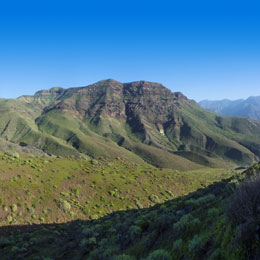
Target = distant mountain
(241,107)
(141,121)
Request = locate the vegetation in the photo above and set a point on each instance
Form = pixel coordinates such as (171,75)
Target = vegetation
(141,122)
(199,225)
(47,190)
(126,172)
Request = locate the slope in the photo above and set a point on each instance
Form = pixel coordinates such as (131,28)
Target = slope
(139,121)
(195,226)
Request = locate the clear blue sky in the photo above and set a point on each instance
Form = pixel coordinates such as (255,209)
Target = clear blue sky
(205,49)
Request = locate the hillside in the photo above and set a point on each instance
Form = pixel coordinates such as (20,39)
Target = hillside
(142,122)
(199,225)
(39,187)
(242,107)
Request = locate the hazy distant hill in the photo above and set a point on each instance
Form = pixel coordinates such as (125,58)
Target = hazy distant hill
(246,108)
(143,122)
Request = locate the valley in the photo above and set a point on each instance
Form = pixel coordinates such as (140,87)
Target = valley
(125,171)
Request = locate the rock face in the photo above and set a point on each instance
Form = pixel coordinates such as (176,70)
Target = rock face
(137,104)
(43,97)
(138,121)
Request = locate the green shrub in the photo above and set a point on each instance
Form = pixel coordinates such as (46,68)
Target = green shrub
(213,212)
(244,209)
(201,201)
(14,208)
(5,242)
(159,254)
(123,257)
(154,198)
(9,218)
(177,245)
(63,205)
(135,232)
(216,255)
(13,154)
(183,223)
(195,245)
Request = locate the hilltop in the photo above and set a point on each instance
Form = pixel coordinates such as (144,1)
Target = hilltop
(142,122)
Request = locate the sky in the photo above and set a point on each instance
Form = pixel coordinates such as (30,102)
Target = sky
(205,49)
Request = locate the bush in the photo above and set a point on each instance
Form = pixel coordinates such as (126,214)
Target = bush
(177,245)
(135,232)
(159,254)
(14,208)
(88,232)
(63,205)
(154,198)
(13,154)
(213,212)
(244,208)
(123,257)
(201,201)
(195,245)
(186,223)
(5,242)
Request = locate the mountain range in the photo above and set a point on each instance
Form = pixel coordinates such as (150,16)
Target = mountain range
(142,122)
(242,107)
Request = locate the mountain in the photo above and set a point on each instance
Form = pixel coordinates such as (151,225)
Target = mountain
(142,122)
(245,108)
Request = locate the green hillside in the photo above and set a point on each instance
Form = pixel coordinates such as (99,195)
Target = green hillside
(141,122)
(92,189)
(203,224)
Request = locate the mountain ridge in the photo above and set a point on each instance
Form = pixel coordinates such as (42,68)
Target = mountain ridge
(249,107)
(139,121)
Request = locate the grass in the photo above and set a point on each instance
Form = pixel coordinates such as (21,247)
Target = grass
(40,187)
(191,225)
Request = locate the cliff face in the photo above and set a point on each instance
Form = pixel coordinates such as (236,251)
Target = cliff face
(137,120)
(43,98)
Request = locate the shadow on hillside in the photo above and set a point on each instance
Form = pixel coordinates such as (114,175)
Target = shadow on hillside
(76,239)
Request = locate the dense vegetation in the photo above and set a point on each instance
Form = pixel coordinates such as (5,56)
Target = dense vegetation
(199,225)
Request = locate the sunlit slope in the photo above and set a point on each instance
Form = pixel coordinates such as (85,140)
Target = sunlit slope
(139,121)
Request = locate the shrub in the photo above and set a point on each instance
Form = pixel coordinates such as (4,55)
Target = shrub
(213,212)
(63,205)
(88,232)
(154,198)
(159,254)
(14,208)
(183,224)
(201,201)
(177,245)
(135,232)
(13,154)
(244,208)
(4,242)
(195,245)
(216,254)
(9,218)
(123,257)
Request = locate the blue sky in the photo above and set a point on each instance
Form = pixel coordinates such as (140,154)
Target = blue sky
(205,49)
